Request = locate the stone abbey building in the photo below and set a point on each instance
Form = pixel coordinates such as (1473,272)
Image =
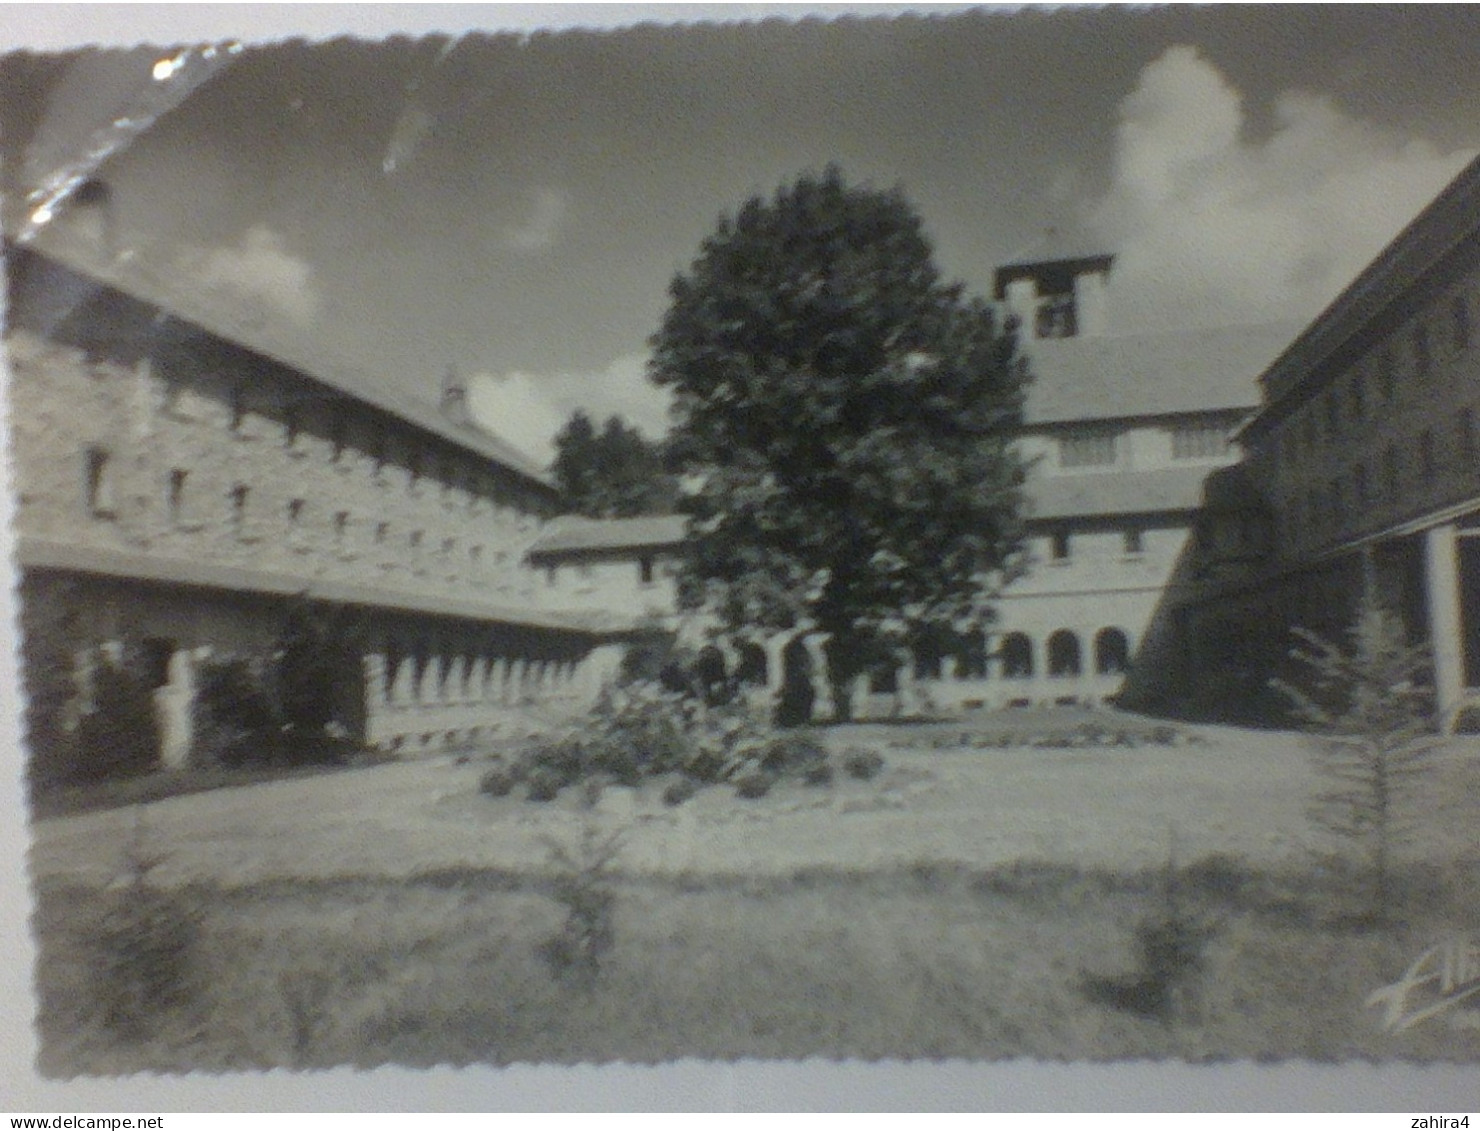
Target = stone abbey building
(1361,472)
(185,484)
(182,488)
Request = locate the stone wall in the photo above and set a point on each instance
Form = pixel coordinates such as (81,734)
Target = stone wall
(180,462)
(177,494)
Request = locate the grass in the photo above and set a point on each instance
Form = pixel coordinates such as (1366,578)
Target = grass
(87,797)
(928,960)
(983,903)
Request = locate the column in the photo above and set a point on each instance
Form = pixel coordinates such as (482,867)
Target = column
(775,666)
(174,704)
(1446,635)
(823,707)
(403,681)
(457,677)
(905,703)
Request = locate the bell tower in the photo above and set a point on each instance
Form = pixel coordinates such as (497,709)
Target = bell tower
(1057,298)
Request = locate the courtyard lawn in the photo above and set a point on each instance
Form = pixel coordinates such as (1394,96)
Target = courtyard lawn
(963,904)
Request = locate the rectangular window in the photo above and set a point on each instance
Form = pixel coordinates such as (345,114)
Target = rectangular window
(1088,449)
(97,472)
(240,499)
(295,526)
(379,447)
(175,496)
(645,570)
(238,407)
(1199,441)
(341,528)
(1133,543)
(552,575)
(1059,546)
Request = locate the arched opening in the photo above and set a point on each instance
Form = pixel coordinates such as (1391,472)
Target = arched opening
(750,665)
(1063,654)
(1017,656)
(971,654)
(928,655)
(794,708)
(711,673)
(1112,652)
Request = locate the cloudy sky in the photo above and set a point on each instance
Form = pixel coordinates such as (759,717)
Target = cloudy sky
(514,204)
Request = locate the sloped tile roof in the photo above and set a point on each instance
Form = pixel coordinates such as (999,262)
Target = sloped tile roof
(574,534)
(276,339)
(1447,226)
(1091,378)
(42,553)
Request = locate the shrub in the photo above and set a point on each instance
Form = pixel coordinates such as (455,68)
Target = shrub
(754,785)
(1171,949)
(795,753)
(497,783)
(119,736)
(865,765)
(583,886)
(1170,959)
(680,791)
(1369,703)
(235,723)
(561,760)
(543,786)
(146,944)
(821,774)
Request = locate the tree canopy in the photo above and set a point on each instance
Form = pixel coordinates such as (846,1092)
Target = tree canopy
(843,420)
(614,473)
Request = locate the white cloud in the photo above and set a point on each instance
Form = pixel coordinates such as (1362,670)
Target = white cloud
(528,409)
(1210,226)
(541,228)
(261,271)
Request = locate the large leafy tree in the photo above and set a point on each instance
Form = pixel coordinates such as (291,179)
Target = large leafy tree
(842,419)
(612,473)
